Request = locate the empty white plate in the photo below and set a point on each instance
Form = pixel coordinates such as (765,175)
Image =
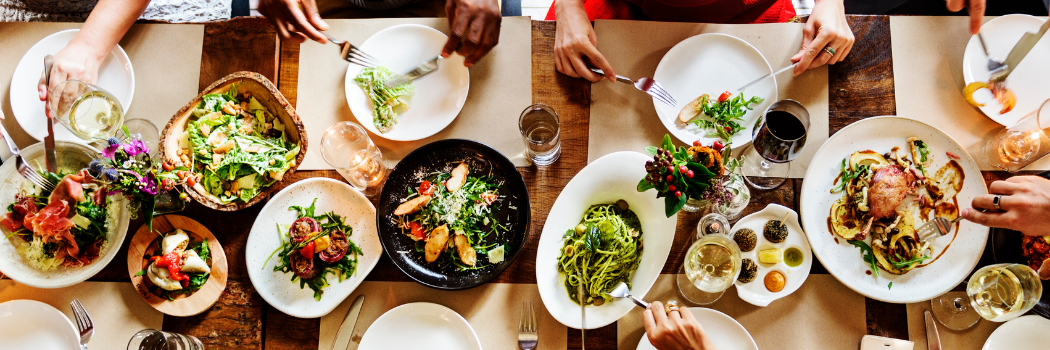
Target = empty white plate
(420,326)
(438,97)
(1030,332)
(726,333)
(1028,80)
(115,75)
(32,325)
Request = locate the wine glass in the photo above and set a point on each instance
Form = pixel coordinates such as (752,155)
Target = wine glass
(778,138)
(711,263)
(997,293)
(152,339)
(1023,143)
(91,113)
(347,148)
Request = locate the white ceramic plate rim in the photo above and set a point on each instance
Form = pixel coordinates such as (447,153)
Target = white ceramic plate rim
(611,177)
(36,309)
(940,277)
(755,292)
(1012,331)
(26,105)
(706,317)
(1028,81)
(263,240)
(666,74)
(406,310)
(436,119)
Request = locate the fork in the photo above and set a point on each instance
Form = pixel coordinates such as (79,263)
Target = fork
(993,64)
(353,54)
(935,228)
(84,324)
(23,168)
(647,85)
(527,336)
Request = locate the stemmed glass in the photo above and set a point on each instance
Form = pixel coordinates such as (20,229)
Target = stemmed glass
(778,138)
(711,263)
(997,293)
(347,148)
(90,112)
(152,339)
(1023,143)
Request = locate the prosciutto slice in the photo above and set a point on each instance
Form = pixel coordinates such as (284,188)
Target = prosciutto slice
(13,219)
(53,225)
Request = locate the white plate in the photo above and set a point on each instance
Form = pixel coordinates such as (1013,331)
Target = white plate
(439,96)
(712,63)
(843,260)
(32,325)
(276,287)
(1028,80)
(726,333)
(1030,332)
(606,180)
(420,326)
(755,292)
(115,75)
(71,157)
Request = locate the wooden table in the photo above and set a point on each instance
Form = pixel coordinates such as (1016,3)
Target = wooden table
(860,87)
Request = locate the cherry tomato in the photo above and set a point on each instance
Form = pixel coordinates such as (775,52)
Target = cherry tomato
(308,250)
(718,146)
(670,188)
(426,188)
(168,167)
(192,181)
(181,174)
(696,143)
(417,230)
(724,96)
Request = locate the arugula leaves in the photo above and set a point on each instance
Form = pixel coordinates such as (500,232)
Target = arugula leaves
(848,175)
(724,116)
(869,255)
(330,222)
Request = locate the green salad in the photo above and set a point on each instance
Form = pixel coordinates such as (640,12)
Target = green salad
(235,147)
(315,245)
(721,116)
(387,103)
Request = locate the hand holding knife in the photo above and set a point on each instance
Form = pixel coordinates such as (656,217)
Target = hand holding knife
(49,140)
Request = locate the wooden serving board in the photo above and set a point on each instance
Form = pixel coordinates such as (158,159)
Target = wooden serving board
(183,305)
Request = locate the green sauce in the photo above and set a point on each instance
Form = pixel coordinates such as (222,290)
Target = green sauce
(793,257)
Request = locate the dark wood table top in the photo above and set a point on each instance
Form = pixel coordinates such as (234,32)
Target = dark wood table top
(860,87)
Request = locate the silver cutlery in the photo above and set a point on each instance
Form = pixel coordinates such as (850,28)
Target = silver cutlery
(49,140)
(527,328)
(1020,50)
(622,291)
(993,64)
(84,324)
(646,85)
(933,339)
(353,54)
(23,168)
(346,329)
(935,228)
(583,314)
(425,68)
(764,77)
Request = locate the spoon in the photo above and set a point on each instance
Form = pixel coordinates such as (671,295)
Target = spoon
(622,291)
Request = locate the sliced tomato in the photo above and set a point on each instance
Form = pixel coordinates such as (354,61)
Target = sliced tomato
(426,188)
(488,197)
(308,250)
(724,97)
(417,230)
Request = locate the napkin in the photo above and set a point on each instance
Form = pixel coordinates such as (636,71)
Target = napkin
(970,339)
(623,118)
(822,314)
(500,89)
(116,310)
(492,310)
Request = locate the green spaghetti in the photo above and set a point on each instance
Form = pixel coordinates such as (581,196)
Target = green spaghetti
(602,251)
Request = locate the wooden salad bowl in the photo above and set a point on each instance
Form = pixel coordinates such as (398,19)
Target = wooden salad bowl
(266,93)
(184,304)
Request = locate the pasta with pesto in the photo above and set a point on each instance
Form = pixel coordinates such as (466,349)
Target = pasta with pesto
(604,249)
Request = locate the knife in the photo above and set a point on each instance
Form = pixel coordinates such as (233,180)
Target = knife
(1020,50)
(427,67)
(583,314)
(346,329)
(933,340)
(49,140)
(782,70)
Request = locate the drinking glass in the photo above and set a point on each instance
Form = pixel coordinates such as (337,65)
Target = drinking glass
(711,263)
(91,113)
(997,293)
(778,138)
(144,130)
(152,339)
(347,148)
(1015,147)
(540,130)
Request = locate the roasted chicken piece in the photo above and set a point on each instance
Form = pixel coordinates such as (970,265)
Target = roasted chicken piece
(436,243)
(459,177)
(889,187)
(466,252)
(412,205)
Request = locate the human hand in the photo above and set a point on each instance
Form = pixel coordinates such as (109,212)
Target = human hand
(1024,198)
(75,61)
(826,27)
(291,22)
(674,330)
(574,39)
(474,28)
(977,8)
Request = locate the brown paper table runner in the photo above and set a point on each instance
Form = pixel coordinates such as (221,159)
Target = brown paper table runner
(492,310)
(116,310)
(166,59)
(822,314)
(971,339)
(631,46)
(500,88)
(928,81)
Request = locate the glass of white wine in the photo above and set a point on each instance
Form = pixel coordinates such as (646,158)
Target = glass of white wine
(1025,142)
(91,113)
(711,263)
(997,293)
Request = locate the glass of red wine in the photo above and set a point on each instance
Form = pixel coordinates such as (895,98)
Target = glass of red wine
(778,138)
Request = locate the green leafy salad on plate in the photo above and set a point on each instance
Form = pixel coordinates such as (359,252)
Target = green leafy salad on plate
(721,117)
(315,245)
(387,103)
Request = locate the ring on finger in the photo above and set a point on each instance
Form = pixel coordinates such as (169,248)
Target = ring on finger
(995,201)
(672,305)
(829,50)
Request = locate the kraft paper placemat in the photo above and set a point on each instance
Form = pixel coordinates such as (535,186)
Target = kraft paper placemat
(970,339)
(928,81)
(630,46)
(822,314)
(500,88)
(116,310)
(492,310)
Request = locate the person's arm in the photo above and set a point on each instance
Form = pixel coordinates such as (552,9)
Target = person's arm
(674,330)
(1024,198)
(81,58)
(826,28)
(474,27)
(976,7)
(574,39)
(292,23)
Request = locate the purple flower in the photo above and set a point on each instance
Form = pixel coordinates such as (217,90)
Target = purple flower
(110,150)
(148,183)
(135,147)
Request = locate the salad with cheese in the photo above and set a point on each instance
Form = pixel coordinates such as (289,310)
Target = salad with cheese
(387,103)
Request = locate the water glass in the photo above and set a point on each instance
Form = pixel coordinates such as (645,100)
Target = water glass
(152,339)
(778,138)
(347,148)
(711,264)
(144,130)
(91,113)
(540,129)
(1014,147)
